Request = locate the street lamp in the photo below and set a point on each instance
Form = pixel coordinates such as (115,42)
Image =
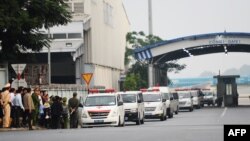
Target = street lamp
(151,72)
(49,61)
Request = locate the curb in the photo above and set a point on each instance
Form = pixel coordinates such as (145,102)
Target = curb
(20,129)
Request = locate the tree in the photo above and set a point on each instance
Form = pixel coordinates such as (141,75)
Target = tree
(130,82)
(140,68)
(21,21)
(171,66)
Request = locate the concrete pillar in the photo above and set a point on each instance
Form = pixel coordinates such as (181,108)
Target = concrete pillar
(150,75)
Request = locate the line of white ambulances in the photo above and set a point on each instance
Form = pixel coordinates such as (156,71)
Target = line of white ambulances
(109,108)
(190,98)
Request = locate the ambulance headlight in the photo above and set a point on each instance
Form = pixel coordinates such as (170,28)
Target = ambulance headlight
(159,108)
(134,110)
(84,115)
(188,102)
(114,113)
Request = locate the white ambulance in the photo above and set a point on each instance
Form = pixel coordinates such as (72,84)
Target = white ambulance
(171,106)
(196,98)
(134,106)
(185,99)
(209,97)
(155,104)
(103,108)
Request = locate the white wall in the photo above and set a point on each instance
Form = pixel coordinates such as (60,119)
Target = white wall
(108,41)
(104,43)
(106,77)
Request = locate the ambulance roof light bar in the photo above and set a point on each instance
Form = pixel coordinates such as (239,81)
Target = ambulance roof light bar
(150,90)
(187,89)
(143,90)
(101,91)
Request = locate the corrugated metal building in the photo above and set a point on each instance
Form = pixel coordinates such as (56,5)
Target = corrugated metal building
(94,42)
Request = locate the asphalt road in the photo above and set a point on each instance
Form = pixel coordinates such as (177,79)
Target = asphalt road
(200,125)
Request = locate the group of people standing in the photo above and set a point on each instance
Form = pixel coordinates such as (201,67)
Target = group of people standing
(26,108)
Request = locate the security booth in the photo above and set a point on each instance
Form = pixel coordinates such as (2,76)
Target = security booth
(227,93)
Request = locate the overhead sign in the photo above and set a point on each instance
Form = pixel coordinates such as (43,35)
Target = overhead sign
(18,68)
(87,77)
(224,41)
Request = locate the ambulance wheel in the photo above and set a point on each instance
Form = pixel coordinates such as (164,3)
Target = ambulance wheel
(138,122)
(119,122)
(176,112)
(123,124)
(142,120)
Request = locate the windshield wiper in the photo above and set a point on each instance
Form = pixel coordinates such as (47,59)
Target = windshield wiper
(101,105)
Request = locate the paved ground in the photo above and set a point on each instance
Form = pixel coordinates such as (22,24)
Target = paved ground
(205,124)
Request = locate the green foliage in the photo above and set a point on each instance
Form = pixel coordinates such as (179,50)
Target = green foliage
(140,39)
(128,53)
(130,82)
(172,66)
(21,20)
(137,75)
(134,82)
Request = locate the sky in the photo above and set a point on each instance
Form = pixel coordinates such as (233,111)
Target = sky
(179,18)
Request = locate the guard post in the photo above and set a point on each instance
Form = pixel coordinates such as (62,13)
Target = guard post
(227,93)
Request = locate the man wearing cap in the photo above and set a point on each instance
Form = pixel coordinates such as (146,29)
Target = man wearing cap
(6,105)
(73,106)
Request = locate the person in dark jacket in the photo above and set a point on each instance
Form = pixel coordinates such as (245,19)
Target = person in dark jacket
(56,112)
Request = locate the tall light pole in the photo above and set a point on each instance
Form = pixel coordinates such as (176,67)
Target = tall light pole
(150,20)
(49,61)
(150,31)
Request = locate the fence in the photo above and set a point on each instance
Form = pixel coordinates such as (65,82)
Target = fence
(65,90)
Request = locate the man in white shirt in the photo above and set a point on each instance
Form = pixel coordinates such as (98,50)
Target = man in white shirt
(18,107)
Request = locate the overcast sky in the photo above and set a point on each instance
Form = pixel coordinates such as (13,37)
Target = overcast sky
(178,18)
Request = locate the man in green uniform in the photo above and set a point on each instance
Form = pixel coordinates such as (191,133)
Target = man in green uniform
(73,107)
(36,104)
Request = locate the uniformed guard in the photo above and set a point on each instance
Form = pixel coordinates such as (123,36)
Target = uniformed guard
(73,107)
(6,105)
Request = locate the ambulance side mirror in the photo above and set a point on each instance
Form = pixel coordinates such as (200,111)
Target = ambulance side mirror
(120,103)
(139,101)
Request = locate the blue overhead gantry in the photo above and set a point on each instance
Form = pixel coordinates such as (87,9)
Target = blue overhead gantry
(189,46)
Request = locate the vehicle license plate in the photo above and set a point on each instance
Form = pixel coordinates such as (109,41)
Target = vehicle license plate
(98,121)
